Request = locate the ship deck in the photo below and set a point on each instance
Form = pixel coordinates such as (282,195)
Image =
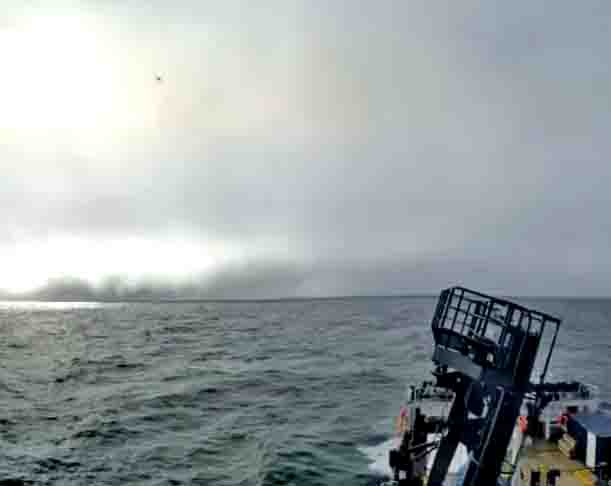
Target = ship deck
(544,456)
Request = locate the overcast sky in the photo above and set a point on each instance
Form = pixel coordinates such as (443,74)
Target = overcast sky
(306,148)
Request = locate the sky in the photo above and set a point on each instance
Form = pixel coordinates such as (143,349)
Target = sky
(297,148)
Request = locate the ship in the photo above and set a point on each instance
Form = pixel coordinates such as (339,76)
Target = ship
(488,416)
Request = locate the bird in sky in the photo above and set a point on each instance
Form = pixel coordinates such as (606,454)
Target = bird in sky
(158,78)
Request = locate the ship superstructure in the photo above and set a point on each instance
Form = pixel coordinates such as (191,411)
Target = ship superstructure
(485,351)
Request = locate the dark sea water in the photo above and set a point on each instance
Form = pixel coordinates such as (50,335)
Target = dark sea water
(266,393)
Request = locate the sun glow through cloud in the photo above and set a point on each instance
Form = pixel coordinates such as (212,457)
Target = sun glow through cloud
(303,148)
(28,266)
(65,85)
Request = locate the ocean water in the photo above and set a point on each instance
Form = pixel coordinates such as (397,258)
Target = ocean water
(252,393)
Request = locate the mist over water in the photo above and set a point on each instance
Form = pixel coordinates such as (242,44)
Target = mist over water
(253,393)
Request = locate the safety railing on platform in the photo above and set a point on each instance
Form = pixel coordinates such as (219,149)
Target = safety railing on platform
(495,331)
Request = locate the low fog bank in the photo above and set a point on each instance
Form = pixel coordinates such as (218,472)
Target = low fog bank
(261,280)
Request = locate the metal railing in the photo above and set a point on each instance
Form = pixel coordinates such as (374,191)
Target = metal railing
(498,330)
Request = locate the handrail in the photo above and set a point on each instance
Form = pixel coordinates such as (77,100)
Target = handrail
(506,302)
(471,315)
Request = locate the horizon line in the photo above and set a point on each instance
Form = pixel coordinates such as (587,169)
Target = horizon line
(69,299)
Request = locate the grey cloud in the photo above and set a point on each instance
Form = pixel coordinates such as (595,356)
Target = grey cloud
(384,148)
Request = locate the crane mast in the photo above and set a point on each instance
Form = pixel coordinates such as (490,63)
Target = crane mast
(485,349)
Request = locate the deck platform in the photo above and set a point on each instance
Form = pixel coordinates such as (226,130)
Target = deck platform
(544,456)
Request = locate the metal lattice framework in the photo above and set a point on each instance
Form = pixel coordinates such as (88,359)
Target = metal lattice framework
(490,331)
(485,351)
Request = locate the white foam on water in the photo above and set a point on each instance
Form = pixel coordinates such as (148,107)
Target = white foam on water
(378,455)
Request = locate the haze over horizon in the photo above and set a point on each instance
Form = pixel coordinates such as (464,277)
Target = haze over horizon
(304,148)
